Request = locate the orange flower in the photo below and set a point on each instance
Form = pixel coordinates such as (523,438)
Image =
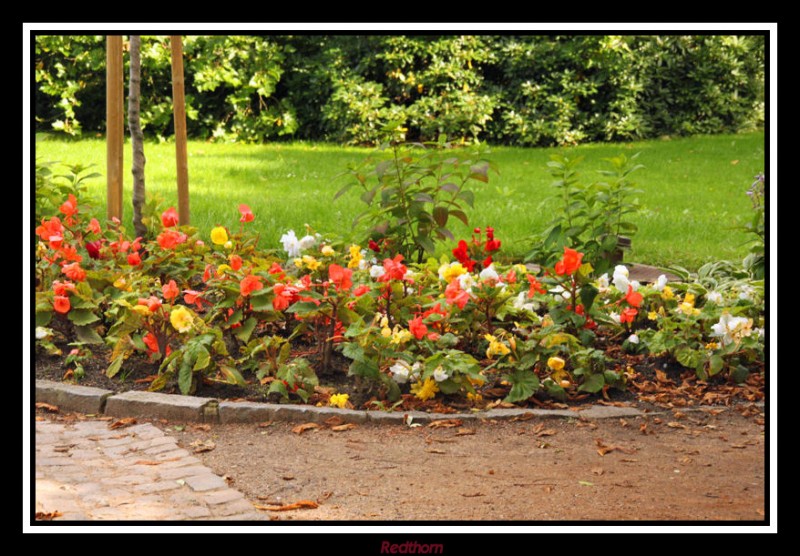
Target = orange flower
(341,277)
(94,227)
(394,269)
(455,295)
(236,262)
(169,239)
(361,290)
(74,272)
(69,209)
(170,290)
(569,263)
(69,253)
(249,284)
(634,299)
(535,286)
(628,315)
(169,218)
(50,228)
(284,296)
(62,288)
(247,214)
(61,304)
(151,342)
(134,259)
(152,303)
(193,297)
(55,241)
(417,328)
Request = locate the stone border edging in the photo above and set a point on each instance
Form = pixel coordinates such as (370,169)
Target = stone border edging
(136,403)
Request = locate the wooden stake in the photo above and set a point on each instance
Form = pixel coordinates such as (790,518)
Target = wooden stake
(115,126)
(179,113)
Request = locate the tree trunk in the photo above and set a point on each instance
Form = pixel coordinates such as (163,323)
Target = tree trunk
(137,137)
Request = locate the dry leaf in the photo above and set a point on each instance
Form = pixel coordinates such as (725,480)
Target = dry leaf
(265,424)
(603,449)
(524,417)
(547,432)
(623,423)
(300,505)
(201,446)
(475,495)
(63,448)
(68,375)
(661,377)
(643,428)
(676,425)
(334,421)
(266,380)
(435,451)
(48,516)
(126,422)
(153,462)
(300,429)
(445,424)
(629,460)
(678,415)
(324,496)
(204,428)
(740,446)
(47,407)
(39,418)
(345,427)
(144,380)
(288,477)
(657,420)
(465,432)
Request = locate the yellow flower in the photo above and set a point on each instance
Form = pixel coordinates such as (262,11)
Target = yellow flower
(474,397)
(652,315)
(355,256)
(311,263)
(496,347)
(476,381)
(401,335)
(338,400)
(298,263)
(712,345)
(520,269)
(122,284)
(386,331)
(556,363)
(425,390)
(689,298)
(141,309)
(181,319)
(328,251)
(384,322)
(219,236)
(564,383)
(222,269)
(449,271)
(667,293)
(228,245)
(688,309)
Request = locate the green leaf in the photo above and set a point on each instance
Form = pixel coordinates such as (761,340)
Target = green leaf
(87,335)
(244,331)
(82,317)
(468,197)
(233,376)
(43,318)
(440,215)
(303,308)
(588,295)
(594,383)
(524,384)
(114,367)
(202,359)
(353,351)
(159,383)
(448,386)
(460,215)
(185,376)
(261,302)
(555,390)
(716,363)
(343,190)
(689,358)
(480,172)
(426,243)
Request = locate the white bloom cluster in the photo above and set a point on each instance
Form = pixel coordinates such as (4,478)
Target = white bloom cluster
(732,329)
(621,281)
(294,246)
(402,371)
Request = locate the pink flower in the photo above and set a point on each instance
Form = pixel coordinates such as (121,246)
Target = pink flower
(247,214)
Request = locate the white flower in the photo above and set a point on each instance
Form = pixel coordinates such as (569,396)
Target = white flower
(489,273)
(416,369)
(561,291)
(621,278)
(363,264)
(466,281)
(635,285)
(602,283)
(408,275)
(376,271)
(521,303)
(439,375)
(400,371)
(747,293)
(714,297)
(307,242)
(290,244)
(732,329)
(615,317)
(660,282)
(633,338)
(42,332)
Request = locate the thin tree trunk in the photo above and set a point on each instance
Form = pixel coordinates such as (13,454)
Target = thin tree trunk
(137,137)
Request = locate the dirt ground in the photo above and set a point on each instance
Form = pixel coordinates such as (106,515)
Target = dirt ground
(693,466)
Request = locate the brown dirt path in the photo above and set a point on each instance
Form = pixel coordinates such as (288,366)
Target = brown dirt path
(696,466)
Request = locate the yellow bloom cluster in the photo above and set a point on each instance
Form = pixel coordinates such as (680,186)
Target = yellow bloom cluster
(328,251)
(496,347)
(222,269)
(687,306)
(219,236)
(425,390)
(355,256)
(449,271)
(310,263)
(556,363)
(338,400)
(667,293)
(400,335)
(181,319)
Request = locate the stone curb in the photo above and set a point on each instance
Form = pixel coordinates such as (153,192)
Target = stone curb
(136,403)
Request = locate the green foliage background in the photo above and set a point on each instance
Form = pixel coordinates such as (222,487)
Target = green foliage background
(520,90)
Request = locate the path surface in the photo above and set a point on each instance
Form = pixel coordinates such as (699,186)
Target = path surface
(85,471)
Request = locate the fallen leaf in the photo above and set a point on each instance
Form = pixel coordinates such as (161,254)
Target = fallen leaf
(657,420)
(435,451)
(125,422)
(676,425)
(265,424)
(39,418)
(300,505)
(300,429)
(474,495)
(491,472)
(603,449)
(334,421)
(288,477)
(48,516)
(47,407)
(465,432)
(345,427)
(734,162)
(204,428)
(153,462)
(68,375)
(201,446)
(661,377)
(598,470)
(623,423)
(629,460)
(324,496)
(740,446)
(547,432)
(63,448)
(585,483)
(445,423)
(643,428)
(266,380)
(145,379)
(548,489)
(686,460)
(524,417)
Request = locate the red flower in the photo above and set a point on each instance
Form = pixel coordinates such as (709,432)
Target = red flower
(49,228)
(569,263)
(284,296)
(94,227)
(193,297)
(61,304)
(134,259)
(236,262)
(136,245)
(535,286)
(169,218)
(170,290)
(247,214)
(55,241)
(461,252)
(374,246)
(489,232)
(208,272)
(455,295)
(74,272)
(487,262)
(152,303)
(62,288)
(634,299)
(417,328)
(276,269)
(511,277)
(249,284)
(395,269)
(151,342)
(93,248)
(492,245)
(69,209)
(361,290)
(628,315)
(69,253)
(169,239)
(435,310)
(340,276)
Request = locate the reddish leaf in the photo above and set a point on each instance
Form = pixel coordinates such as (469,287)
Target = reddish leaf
(345,427)
(300,505)
(125,422)
(48,516)
(300,429)
(445,423)
(47,407)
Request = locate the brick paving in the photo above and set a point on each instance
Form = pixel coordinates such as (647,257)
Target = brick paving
(86,471)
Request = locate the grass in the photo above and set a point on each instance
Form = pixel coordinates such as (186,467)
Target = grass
(693,190)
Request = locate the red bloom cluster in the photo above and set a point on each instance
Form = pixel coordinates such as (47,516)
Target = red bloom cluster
(467,255)
(394,269)
(341,277)
(570,263)
(247,214)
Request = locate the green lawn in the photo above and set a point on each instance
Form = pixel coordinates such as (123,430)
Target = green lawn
(694,189)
